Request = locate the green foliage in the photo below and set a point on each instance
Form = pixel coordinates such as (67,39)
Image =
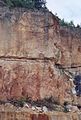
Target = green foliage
(67,24)
(71,24)
(25,3)
(9,3)
(20,3)
(63,23)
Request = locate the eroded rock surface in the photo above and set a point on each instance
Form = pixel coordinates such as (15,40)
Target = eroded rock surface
(37,56)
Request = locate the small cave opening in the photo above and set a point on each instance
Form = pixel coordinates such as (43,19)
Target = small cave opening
(77,82)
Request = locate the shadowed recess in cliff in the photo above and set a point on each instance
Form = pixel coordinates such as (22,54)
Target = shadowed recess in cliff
(77,82)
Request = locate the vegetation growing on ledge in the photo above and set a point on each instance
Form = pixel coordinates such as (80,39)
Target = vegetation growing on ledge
(26,3)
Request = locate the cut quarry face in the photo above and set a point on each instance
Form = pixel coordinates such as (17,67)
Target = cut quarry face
(77,82)
(34,52)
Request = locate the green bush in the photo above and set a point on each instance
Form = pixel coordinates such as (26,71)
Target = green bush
(20,3)
(67,24)
(25,3)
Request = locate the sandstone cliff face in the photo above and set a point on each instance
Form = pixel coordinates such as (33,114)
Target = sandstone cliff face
(34,55)
(33,116)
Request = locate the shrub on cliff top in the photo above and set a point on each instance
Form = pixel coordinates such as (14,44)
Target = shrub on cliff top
(26,3)
(67,24)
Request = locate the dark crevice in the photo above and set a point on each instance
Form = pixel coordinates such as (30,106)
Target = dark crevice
(66,67)
(65,70)
(26,58)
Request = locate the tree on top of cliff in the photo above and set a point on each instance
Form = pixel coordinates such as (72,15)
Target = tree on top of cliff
(26,3)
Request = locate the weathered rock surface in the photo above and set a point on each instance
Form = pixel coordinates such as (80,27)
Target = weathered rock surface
(35,53)
(29,115)
(11,112)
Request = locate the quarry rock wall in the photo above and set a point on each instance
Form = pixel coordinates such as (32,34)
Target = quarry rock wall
(37,56)
(32,116)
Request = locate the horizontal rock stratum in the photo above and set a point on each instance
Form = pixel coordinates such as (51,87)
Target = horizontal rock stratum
(33,116)
(37,55)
